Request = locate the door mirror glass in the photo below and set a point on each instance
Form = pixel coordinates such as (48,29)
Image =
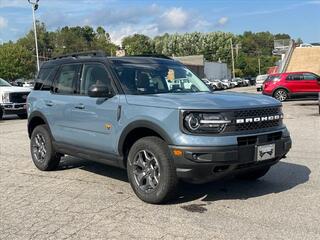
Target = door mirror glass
(100,91)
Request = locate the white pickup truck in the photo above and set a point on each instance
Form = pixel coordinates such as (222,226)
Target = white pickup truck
(13,99)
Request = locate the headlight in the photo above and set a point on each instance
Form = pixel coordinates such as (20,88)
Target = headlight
(204,122)
(5,97)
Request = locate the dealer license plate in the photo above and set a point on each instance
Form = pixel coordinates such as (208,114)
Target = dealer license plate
(265,152)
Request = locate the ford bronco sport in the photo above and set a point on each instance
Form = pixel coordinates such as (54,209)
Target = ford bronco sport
(126,112)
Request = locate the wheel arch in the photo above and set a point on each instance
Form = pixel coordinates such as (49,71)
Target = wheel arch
(281,87)
(137,130)
(35,119)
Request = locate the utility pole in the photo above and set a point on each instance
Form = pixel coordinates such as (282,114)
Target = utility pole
(259,64)
(34,5)
(233,73)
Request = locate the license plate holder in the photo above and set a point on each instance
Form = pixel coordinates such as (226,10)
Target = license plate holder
(266,152)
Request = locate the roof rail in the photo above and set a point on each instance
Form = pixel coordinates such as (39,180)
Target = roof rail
(81,54)
(151,55)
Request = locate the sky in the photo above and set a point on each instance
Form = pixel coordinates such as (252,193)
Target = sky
(299,18)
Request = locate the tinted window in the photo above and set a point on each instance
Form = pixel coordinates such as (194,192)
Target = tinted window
(295,77)
(66,78)
(272,77)
(94,74)
(309,76)
(45,78)
(158,78)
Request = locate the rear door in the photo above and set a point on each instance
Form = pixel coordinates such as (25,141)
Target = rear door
(295,83)
(312,82)
(60,103)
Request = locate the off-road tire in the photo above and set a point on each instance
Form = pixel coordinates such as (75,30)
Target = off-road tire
(51,158)
(168,181)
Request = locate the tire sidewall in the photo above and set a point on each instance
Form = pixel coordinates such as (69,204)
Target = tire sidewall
(275,93)
(43,130)
(162,154)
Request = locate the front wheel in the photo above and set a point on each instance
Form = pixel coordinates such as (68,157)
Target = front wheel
(280,95)
(254,174)
(151,171)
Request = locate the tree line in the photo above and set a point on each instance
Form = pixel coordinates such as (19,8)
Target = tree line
(17,60)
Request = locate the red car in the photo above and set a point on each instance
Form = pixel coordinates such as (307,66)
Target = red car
(291,84)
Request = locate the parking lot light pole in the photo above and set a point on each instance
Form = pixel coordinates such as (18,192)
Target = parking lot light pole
(233,73)
(35,5)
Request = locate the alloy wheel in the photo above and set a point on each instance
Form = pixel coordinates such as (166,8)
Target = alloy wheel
(39,149)
(146,170)
(281,95)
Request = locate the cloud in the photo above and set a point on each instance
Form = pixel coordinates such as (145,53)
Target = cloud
(3,22)
(175,18)
(222,21)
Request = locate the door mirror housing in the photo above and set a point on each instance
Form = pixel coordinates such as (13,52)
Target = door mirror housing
(100,91)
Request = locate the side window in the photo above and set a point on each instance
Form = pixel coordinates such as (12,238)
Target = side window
(309,76)
(45,78)
(295,77)
(92,74)
(65,81)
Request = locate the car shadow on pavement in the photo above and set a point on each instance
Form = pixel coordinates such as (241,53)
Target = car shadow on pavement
(94,167)
(281,177)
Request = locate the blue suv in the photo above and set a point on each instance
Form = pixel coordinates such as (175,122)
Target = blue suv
(153,117)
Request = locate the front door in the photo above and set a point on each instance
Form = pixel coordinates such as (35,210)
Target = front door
(94,120)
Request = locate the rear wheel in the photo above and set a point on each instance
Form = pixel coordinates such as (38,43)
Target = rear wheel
(42,152)
(150,169)
(254,174)
(281,95)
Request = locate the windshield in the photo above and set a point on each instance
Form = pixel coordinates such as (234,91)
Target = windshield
(4,83)
(158,78)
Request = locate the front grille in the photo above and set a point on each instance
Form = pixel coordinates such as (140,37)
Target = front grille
(18,97)
(257,113)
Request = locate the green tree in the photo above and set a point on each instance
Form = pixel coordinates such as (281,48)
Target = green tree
(16,62)
(137,44)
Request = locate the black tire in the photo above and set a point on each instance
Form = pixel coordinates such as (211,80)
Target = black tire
(281,94)
(41,139)
(1,113)
(23,116)
(254,174)
(167,180)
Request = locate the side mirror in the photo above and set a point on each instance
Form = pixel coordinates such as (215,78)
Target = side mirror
(100,91)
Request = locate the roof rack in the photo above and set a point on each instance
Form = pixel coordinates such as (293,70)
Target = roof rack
(151,55)
(82,54)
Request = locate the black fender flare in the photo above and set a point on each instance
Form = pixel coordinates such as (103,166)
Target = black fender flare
(39,115)
(142,124)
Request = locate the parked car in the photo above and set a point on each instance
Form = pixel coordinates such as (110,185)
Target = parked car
(28,84)
(259,81)
(225,84)
(215,84)
(121,111)
(246,82)
(291,84)
(239,81)
(13,99)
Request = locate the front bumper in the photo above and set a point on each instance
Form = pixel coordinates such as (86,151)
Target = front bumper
(14,108)
(203,164)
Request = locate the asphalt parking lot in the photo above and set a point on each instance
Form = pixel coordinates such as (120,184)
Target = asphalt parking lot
(86,200)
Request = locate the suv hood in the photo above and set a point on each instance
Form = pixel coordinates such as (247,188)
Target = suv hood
(225,100)
(14,89)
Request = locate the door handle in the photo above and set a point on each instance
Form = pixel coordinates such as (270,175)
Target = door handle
(80,106)
(49,103)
